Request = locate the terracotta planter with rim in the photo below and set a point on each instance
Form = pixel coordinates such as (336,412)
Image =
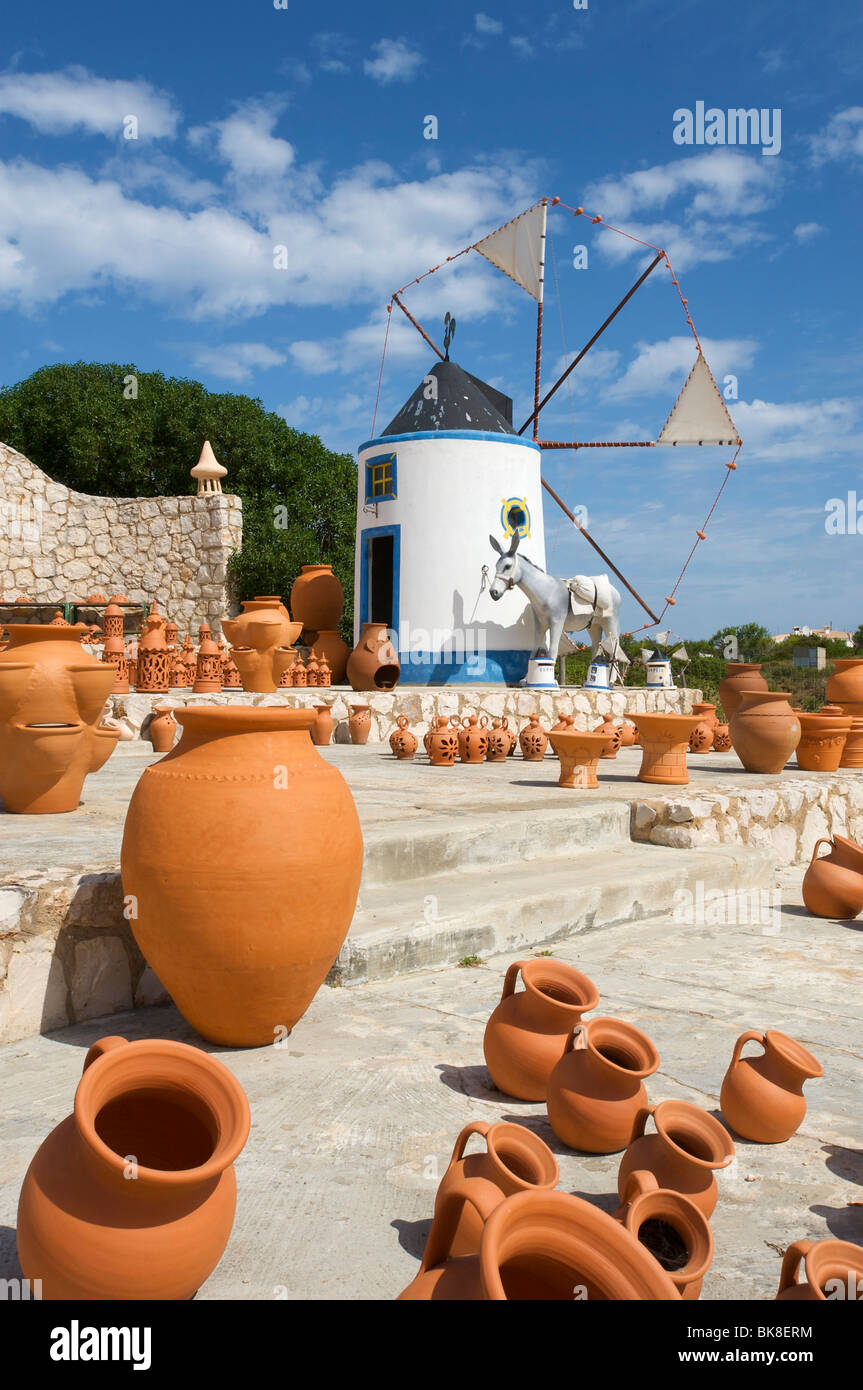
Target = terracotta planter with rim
(833,884)
(683,1153)
(514,1160)
(647,1209)
(579,754)
(664,741)
(596,1091)
(764,730)
(527,1033)
(762,1097)
(822,740)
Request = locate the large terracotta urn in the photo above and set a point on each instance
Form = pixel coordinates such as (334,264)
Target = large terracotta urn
(52,694)
(762,1097)
(832,1270)
(317,598)
(261,640)
(664,740)
(528,1032)
(596,1091)
(513,1159)
(682,1155)
(739,675)
(132,1196)
(845,686)
(764,730)
(833,883)
(220,836)
(374,662)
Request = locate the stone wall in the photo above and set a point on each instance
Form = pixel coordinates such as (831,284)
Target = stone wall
(57,546)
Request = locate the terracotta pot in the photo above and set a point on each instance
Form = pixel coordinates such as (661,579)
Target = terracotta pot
(374,663)
(721,739)
(664,739)
(329,645)
(322,729)
(833,886)
(533,740)
(845,686)
(833,1270)
(528,1031)
(52,695)
(628,735)
(133,1195)
(764,730)
(596,1091)
(514,1160)
(443,743)
(317,598)
(259,638)
(705,711)
(473,739)
(579,754)
(208,667)
(701,738)
(402,741)
(822,740)
(241,956)
(852,753)
(360,723)
(647,1209)
(687,1146)
(762,1097)
(739,676)
(612,732)
(162,729)
(499,741)
(538,1246)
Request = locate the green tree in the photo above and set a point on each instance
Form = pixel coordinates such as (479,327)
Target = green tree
(858,639)
(754,642)
(113,431)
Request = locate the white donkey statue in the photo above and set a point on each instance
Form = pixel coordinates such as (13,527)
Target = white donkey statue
(588,602)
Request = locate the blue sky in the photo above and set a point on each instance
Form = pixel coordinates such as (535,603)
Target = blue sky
(304,127)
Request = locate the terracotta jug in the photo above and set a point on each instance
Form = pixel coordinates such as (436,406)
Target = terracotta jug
(317,598)
(402,741)
(241,956)
(833,1268)
(612,731)
(833,885)
(133,1195)
(533,740)
(687,1146)
(822,740)
(473,739)
(162,729)
(263,630)
(739,675)
(528,1032)
(538,1246)
(664,740)
(328,645)
(845,686)
(764,730)
(498,747)
(374,663)
(51,699)
(360,723)
(514,1160)
(579,754)
(443,743)
(322,729)
(762,1097)
(596,1091)
(672,1228)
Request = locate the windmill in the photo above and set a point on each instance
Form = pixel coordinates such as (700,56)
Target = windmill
(657,659)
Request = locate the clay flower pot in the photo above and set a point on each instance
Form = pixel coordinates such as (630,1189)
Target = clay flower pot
(241,955)
(322,729)
(533,740)
(473,739)
(834,1270)
(845,686)
(360,723)
(649,1211)
(442,743)
(259,638)
(721,739)
(329,646)
(833,885)
(374,663)
(528,1031)
(402,741)
(822,740)
(514,1160)
(162,729)
(739,676)
(687,1146)
(538,1246)
(133,1195)
(52,695)
(764,730)
(613,733)
(596,1091)
(664,740)
(579,754)
(317,598)
(762,1097)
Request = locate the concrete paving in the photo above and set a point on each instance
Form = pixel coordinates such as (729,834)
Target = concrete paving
(354,1118)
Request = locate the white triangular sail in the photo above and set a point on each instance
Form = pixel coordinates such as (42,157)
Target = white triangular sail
(518,249)
(699,415)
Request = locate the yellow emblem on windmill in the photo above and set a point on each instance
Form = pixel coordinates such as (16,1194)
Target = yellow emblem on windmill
(515,516)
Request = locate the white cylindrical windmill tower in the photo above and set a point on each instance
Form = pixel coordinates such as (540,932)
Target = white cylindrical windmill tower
(448,470)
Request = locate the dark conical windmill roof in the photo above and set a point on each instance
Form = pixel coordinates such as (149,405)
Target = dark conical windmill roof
(463,403)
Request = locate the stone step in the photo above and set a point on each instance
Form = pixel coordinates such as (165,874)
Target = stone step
(514,905)
(428,848)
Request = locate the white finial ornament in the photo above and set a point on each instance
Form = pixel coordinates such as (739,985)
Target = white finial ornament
(208,471)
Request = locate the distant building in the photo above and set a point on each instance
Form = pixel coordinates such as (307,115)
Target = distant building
(814,658)
(827,634)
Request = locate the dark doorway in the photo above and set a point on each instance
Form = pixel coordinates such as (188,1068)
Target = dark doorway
(381,563)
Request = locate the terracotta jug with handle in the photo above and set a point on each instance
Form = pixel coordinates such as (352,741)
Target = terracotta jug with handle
(762,1097)
(528,1031)
(514,1160)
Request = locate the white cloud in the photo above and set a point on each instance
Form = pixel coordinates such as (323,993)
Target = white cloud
(806,231)
(841,138)
(394,61)
(803,431)
(484,24)
(522,46)
(235,361)
(661,368)
(245,140)
(75,99)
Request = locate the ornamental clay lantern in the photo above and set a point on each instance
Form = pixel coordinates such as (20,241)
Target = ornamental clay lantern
(208,677)
(153,656)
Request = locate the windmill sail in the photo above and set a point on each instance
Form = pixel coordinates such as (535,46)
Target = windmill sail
(699,415)
(518,249)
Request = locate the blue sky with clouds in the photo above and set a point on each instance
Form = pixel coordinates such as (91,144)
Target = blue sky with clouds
(303,127)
